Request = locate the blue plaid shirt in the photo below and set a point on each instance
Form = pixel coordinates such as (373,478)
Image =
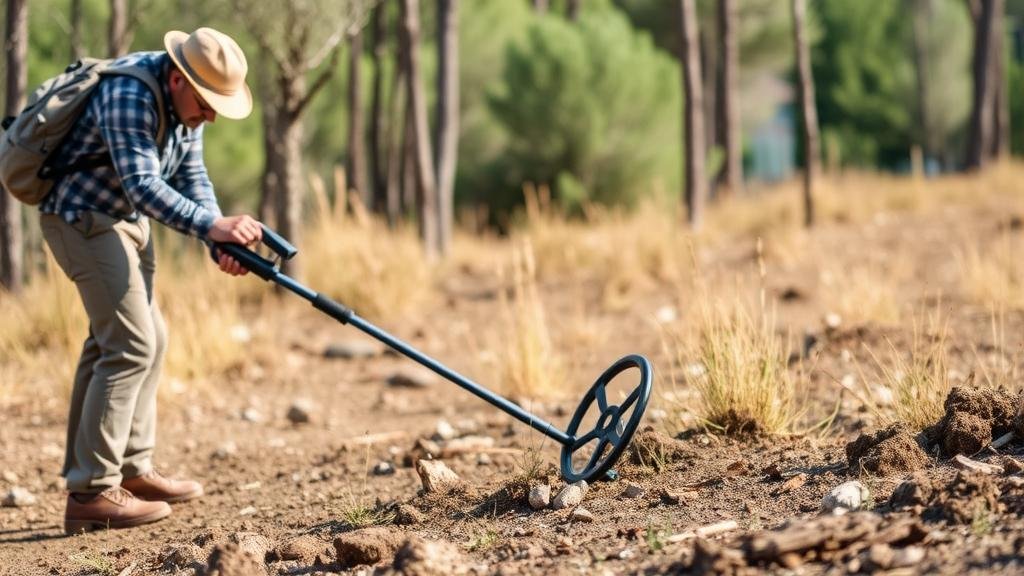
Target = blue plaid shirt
(170,186)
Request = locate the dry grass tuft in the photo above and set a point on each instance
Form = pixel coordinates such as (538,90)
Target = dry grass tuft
(530,366)
(992,274)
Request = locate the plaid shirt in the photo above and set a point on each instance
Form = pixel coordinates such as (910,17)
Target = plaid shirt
(170,186)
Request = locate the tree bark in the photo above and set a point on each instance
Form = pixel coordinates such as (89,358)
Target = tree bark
(572,9)
(1000,80)
(693,133)
(426,184)
(378,163)
(808,111)
(922,14)
(77,50)
(117,31)
(982,124)
(447,141)
(16,49)
(356,165)
(730,126)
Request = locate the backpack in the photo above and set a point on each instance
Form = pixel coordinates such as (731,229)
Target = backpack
(32,137)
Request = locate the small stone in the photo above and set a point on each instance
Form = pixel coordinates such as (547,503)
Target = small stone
(10,477)
(666,314)
(965,463)
(847,496)
(302,548)
(412,377)
(570,496)
(907,557)
(252,415)
(540,496)
(881,556)
(18,497)
(833,320)
(351,349)
(444,431)
(581,514)
(300,412)
(436,475)
(483,459)
(252,543)
(383,469)
(633,491)
(225,451)
(247,511)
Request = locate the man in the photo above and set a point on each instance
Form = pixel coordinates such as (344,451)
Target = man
(96,223)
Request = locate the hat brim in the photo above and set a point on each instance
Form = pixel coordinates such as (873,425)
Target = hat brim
(234,106)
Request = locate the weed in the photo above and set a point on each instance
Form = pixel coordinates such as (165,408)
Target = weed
(981,521)
(656,535)
(97,562)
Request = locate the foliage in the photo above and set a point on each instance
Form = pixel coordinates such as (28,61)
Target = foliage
(602,104)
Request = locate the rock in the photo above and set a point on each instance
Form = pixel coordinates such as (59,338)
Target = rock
(570,495)
(9,477)
(368,546)
(907,557)
(252,415)
(666,314)
(847,496)
(483,459)
(408,515)
(965,463)
(832,320)
(300,412)
(303,548)
(351,349)
(182,557)
(230,560)
(540,496)
(225,451)
(252,543)
(880,556)
(419,557)
(633,491)
(436,475)
(444,431)
(581,514)
(18,497)
(383,469)
(412,377)
(890,451)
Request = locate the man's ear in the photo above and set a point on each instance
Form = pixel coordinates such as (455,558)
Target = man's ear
(175,78)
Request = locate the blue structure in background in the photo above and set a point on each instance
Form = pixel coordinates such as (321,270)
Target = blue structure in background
(771,154)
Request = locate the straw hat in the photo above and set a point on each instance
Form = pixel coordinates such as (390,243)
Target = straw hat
(215,66)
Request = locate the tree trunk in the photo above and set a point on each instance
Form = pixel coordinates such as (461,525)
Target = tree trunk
(356,165)
(922,15)
(1000,79)
(291,184)
(572,9)
(117,31)
(808,111)
(731,137)
(982,111)
(378,163)
(16,48)
(424,169)
(541,6)
(447,143)
(77,50)
(696,183)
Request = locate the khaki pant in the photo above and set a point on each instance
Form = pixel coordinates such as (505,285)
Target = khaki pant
(112,420)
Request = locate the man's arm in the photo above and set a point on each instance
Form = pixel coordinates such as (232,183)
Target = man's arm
(127,118)
(191,179)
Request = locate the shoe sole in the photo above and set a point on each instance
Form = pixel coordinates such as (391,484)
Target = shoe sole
(72,526)
(183,497)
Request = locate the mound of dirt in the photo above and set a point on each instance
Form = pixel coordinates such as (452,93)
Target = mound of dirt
(231,560)
(419,557)
(652,448)
(368,546)
(969,497)
(974,416)
(892,450)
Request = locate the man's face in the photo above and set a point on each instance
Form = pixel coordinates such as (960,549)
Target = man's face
(188,104)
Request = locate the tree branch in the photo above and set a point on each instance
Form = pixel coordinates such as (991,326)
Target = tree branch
(320,82)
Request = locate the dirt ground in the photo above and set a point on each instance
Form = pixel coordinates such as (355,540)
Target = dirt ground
(340,493)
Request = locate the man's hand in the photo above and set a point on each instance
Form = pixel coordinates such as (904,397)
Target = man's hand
(244,230)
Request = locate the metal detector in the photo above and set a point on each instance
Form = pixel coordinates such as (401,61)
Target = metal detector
(588,456)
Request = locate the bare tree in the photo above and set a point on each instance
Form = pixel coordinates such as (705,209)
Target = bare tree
(426,183)
(1000,79)
(297,39)
(729,125)
(693,133)
(356,164)
(118,31)
(983,114)
(922,14)
(808,111)
(447,140)
(16,49)
(77,50)
(572,9)
(378,164)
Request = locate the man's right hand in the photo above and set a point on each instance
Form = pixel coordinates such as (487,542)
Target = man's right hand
(242,230)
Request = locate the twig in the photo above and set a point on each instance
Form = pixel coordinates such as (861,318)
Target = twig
(705,531)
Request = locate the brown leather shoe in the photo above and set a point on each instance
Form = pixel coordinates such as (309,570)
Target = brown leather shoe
(153,486)
(115,507)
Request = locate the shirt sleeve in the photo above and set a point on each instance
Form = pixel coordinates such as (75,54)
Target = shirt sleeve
(191,178)
(127,117)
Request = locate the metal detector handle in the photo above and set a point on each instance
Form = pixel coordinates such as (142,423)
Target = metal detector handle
(278,244)
(253,262)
